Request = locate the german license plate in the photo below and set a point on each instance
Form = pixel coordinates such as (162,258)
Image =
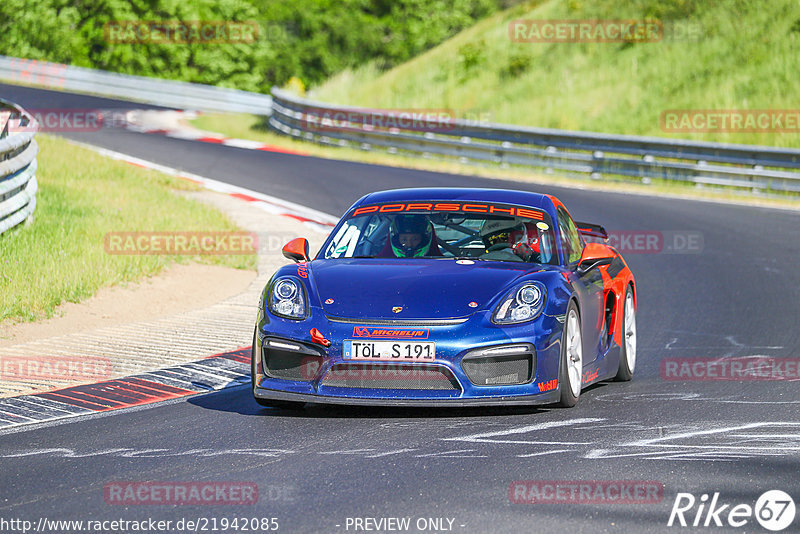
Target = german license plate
(392,351)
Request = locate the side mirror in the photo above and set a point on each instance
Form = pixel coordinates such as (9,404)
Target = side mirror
(296,249)
(594,255)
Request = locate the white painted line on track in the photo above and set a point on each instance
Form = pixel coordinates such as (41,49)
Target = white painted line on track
(486,437)
(660,441)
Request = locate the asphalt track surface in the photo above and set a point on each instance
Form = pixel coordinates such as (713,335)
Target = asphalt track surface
(738,296)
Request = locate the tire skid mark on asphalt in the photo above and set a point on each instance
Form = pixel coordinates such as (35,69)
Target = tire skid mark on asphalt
(721,444)
(688,396)
(489,437)
(769,438)
(543,453)
(214,373)
(63,452)
(707,442)
(390,453)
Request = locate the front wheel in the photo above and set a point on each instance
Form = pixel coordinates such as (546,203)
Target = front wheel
(280,404)
(627,353)
(571,368)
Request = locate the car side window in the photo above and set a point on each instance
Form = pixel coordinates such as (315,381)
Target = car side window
(571,240)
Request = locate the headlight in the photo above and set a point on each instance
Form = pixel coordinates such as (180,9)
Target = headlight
(524,303)
(287,298)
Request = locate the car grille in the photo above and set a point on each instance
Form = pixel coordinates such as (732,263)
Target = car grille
(499,370)
(390,377)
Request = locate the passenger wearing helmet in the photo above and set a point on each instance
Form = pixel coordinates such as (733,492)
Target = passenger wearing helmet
(411,236)
(509,240)
(532,250)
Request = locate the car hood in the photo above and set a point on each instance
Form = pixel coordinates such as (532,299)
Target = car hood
(421,288)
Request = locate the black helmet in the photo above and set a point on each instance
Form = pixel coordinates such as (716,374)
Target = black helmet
(411,224)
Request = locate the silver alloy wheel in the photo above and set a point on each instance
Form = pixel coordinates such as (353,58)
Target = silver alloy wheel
(574,353)
(630,331)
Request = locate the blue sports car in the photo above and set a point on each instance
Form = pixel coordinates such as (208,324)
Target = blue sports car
(446,297)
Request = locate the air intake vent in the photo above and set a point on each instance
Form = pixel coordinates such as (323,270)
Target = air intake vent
(290,360)
(500,366)
(390,377)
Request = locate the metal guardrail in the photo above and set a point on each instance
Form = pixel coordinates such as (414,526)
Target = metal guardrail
(167,93)
(18,152)
(757,168)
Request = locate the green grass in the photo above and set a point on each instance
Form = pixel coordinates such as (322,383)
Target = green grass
(742,54)
(60,256)
(746,56)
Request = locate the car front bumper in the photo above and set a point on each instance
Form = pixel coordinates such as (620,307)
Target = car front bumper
(323,375)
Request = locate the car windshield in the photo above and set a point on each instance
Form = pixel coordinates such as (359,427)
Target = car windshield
(447,235)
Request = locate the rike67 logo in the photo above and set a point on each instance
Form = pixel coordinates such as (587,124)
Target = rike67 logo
(774,510)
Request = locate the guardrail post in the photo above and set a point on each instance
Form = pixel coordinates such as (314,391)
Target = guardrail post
(752,178)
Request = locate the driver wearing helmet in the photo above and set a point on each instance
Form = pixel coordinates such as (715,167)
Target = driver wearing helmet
(411,236)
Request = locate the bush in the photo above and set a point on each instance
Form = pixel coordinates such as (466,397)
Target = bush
(308,39)
(518,63)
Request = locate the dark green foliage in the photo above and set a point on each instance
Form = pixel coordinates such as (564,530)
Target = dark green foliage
(664,10)
(470,56)
(310,39)
(518,63)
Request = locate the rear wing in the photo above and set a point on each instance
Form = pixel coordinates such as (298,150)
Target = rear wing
(592,230)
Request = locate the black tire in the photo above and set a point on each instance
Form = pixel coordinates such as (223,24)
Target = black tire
(627,360)
(268,403)
(568,397)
